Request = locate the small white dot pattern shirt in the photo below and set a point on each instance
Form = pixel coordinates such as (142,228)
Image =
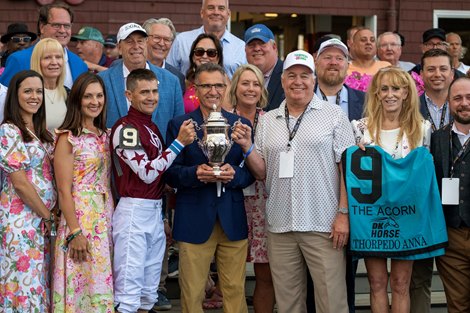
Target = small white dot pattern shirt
(309,200)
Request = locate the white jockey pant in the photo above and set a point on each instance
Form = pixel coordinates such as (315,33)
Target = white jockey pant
(139,244)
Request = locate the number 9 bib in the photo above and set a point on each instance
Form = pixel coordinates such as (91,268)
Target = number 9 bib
(129,138)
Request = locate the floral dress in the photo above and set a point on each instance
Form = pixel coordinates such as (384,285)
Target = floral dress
(85,287)
(24,252)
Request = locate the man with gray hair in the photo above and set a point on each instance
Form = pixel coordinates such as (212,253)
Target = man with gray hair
(389,49)
(161,34)
(214,14)
(90,48)
(457,51)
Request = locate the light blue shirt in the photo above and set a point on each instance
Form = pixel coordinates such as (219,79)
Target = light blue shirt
(436,112)
(233,50)
(343,99)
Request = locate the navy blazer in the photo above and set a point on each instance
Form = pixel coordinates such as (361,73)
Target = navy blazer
(197,205)
(422,106)
(275,90)
(170,101)
(356,99)
(173,70)
(424,111)
(21,60)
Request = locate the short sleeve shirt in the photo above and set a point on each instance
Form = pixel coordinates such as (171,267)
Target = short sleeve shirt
(309,200)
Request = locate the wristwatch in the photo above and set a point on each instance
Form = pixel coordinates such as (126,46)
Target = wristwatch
(343,210)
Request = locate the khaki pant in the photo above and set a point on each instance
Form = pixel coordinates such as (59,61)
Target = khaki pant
(289,256)
(194,262)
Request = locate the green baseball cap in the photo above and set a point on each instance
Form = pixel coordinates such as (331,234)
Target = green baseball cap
(88,33)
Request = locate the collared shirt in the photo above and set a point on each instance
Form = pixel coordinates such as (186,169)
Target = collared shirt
(462,137)
(436,112)
(343,99)
(68,72)
(125,73)
(309,200)
(233,49)
(267,76)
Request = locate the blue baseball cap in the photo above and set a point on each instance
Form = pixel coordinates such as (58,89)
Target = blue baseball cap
(258,31)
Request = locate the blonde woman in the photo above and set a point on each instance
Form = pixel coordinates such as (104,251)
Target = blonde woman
(48,60)
(393,122)
(248,97)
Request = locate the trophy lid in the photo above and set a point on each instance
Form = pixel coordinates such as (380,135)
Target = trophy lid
(216,118)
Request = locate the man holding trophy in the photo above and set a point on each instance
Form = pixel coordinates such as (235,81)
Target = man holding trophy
(209,221)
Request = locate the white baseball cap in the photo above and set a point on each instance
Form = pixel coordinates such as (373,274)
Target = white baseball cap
(336,43)
(128,29)
(299,57)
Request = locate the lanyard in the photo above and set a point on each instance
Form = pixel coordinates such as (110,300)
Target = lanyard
(326,99)
(296,126)
(255,121)
(443,116)
(459,154)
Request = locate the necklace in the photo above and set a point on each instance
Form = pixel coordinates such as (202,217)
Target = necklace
(48,95)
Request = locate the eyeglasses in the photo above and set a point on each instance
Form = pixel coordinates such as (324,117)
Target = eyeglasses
(389,45)
(208,87)
(20,39)
(58,26)
(439,45)
(211,53)
(157,38)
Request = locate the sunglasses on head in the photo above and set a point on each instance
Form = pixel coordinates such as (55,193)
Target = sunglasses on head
(20,39)
(211,53)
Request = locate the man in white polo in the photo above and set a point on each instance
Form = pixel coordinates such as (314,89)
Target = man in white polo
(306,211)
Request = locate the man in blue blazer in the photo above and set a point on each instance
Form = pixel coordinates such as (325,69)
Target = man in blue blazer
(205,224)
(132,42)
(55,21)
(261,51)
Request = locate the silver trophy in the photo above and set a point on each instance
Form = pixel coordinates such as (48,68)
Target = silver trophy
(216,143)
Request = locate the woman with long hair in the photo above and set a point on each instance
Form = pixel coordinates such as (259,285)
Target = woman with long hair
(206,48)
(48,60)
(393,122)
(248,97)
(27,198)
(83,279)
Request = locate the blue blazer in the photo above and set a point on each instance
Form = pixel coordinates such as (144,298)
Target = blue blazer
(356,99)
(21,60)
(197,205)
(170,101)
(275,90)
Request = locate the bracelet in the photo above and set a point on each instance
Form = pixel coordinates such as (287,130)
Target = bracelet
(72,236)
(74,230)
(245,155)
(50,219)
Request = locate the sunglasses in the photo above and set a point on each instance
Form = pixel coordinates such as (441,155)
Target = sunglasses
(20,39)
(211,53)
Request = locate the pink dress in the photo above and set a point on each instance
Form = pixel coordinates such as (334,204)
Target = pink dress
(87,286)
(24,251)
(191,101)
(255,206)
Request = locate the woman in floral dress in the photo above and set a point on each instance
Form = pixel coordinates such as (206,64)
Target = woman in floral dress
(28,195)
(83,281)
(248,97)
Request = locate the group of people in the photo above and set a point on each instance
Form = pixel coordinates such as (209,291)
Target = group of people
(98,151)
